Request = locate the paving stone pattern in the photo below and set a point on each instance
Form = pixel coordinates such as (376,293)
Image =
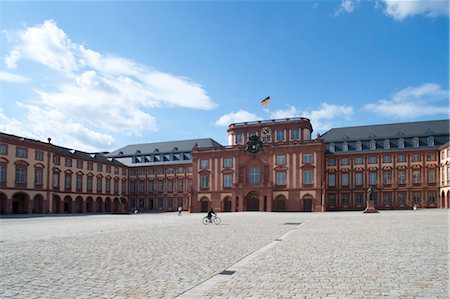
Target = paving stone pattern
(393,254)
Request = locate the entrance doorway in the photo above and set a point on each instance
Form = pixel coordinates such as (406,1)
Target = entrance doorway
(252,201)
(204,204)
(307,204)
(227,204)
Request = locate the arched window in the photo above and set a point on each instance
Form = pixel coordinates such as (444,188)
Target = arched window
(401,143)
(415,142)
(373,145)
(254,176)
(430,141)
(331,147)
(387,144)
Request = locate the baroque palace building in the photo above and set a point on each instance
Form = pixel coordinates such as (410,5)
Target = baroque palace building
(268,165)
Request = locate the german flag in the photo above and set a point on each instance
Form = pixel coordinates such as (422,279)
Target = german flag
(265,101)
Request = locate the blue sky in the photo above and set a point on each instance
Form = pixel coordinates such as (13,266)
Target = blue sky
(97,76)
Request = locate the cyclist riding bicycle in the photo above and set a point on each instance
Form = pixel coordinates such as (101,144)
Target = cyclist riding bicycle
(210,213)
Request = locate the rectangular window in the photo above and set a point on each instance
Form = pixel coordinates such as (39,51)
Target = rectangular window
(401,158)
(280,135)
(160,202)
(99,185)
(89,184)
(416,157)
(38,176)
(141,186)
(227,180)
(432,197)
(372,178)
(68,181)
(133,187)
(2,173)
(331,199)
(331,180)
(308,177)
(387,177)
(21,152)
(170,186)
(116,187)
(431,157)
(151,186)
(160,186)
(331,162)
(68,162)
(204,181)
(281,178)
(401,177)
(345,161)
(387,159)
(416,176)
(431,174)
(21,175)
(295,134)
(359,160)
(124,187)
(108,168)
(39,155)
(416,197)
(80,164)
(180,170)
(170,202)
(3,149)
(79,183)
(387,198)
(180,202)
(56,160)
(99,167)
(180,185)
(238,139)
(55,181)
(281,160)
(359,199)
(170,170)
(228,162)
(308,158)
(372,159)
(254,176)
(90,165)
(345,199)
(358,179)
(402,198)
(204,164)
(345,179)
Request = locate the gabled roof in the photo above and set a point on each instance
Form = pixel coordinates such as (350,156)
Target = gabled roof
(388,131)
(164,147)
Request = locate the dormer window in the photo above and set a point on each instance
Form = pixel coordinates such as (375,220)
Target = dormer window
(331,147)
(415,142)
(387,144)
(401,143)
(430,141)
(358,145)
(345,146)
(373,145)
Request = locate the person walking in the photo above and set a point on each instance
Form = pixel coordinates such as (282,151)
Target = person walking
(179,211)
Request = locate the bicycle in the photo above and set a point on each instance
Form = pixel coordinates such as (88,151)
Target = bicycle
(214,219)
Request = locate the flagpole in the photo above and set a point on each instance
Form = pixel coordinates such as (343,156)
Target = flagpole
(269,110)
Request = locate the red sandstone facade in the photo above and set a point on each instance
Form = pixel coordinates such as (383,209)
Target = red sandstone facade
(292,172)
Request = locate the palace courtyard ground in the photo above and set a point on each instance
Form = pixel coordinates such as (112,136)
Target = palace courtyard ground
(393,254)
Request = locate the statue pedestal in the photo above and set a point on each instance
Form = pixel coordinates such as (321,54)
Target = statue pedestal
(370,207)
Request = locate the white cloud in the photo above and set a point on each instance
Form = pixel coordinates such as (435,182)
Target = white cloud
(412,102)
(286,113)
(346,6)
(12,78)
(105,93)
(401,9)
(327,115)
(235,117)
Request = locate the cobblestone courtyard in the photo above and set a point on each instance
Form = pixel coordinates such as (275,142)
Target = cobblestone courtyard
(394,254)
